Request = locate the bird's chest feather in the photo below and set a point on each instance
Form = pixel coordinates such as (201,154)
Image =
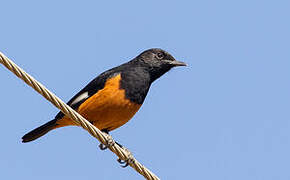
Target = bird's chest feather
(109,108)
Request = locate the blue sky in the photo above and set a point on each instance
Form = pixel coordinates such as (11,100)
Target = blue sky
(225,116)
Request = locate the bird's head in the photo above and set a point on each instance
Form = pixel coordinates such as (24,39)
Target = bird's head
(158,62)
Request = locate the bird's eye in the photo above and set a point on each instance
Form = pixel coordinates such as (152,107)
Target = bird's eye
(160,55)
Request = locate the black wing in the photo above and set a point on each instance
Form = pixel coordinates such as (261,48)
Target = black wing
(89,90)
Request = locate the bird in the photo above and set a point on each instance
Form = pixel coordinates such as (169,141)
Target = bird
(113,97)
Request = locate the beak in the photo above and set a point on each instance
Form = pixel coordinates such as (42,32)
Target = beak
(177,63)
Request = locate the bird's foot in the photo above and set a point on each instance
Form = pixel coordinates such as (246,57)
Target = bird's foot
(128,161)
(110,142)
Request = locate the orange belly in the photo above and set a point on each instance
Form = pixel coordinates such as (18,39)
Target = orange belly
(107,109)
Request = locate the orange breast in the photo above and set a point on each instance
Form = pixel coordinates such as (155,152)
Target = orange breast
(108,108)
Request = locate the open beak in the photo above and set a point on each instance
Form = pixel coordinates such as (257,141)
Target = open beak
(178,63)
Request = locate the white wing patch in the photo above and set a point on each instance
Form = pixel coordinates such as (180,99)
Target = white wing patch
(80,98)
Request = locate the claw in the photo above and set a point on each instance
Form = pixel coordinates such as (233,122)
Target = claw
(124,166)
(103,147)
(123,162)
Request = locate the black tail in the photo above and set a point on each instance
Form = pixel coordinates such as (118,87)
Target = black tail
(38,132)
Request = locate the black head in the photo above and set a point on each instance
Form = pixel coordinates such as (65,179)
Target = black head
(158,62)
